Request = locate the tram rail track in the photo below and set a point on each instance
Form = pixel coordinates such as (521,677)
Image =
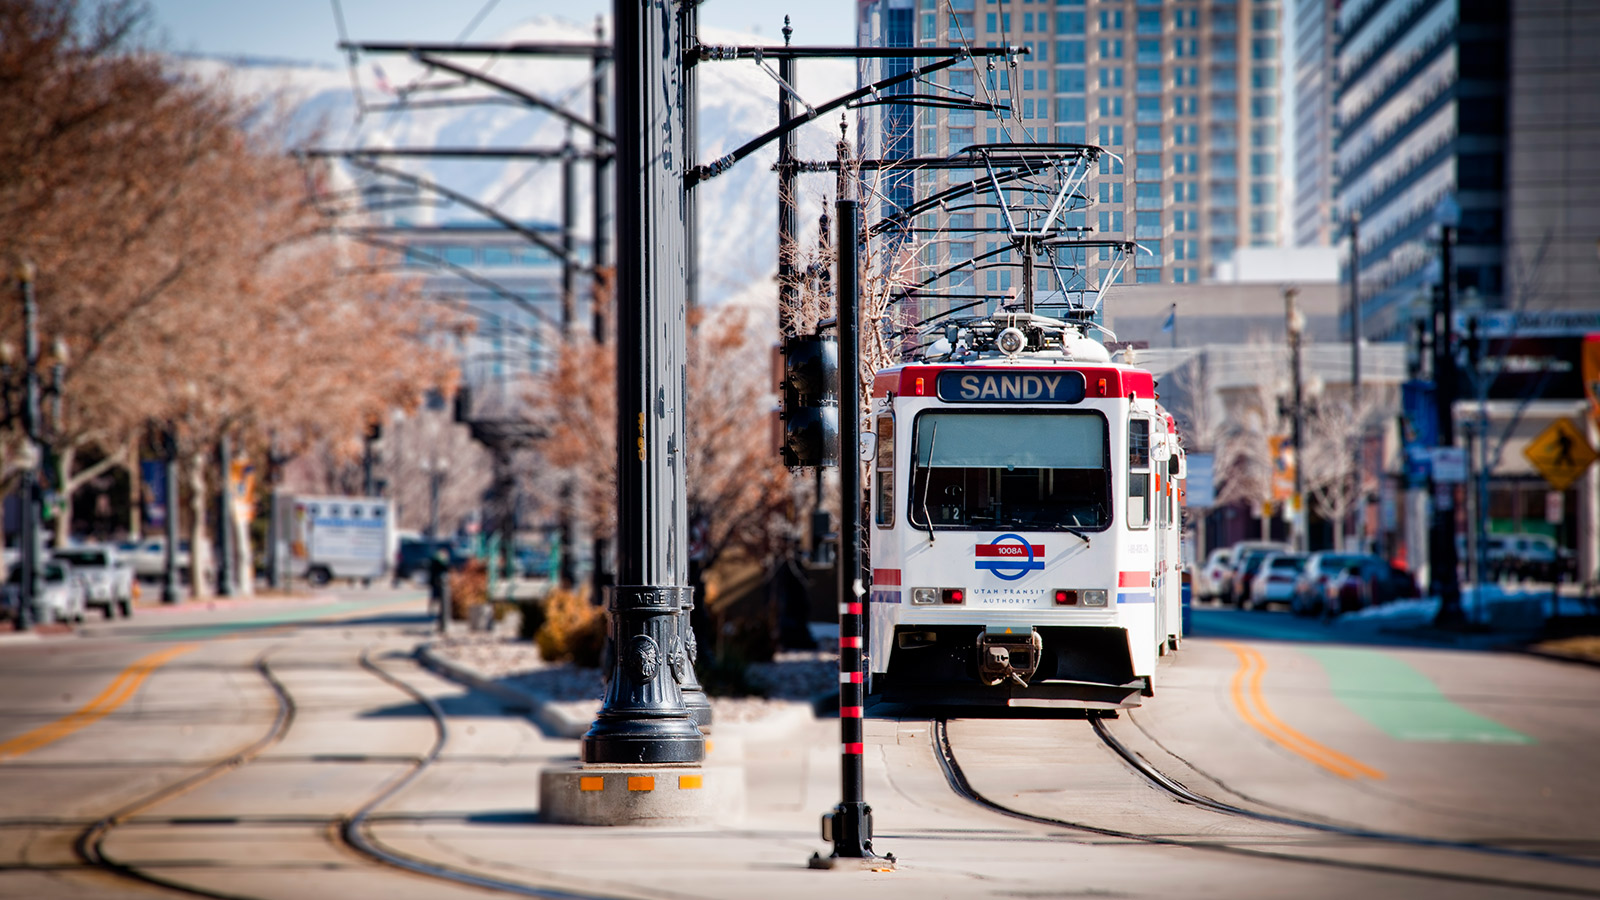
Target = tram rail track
(352,831)
(961,785)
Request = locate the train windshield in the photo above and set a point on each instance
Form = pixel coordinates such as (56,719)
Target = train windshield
(992,470)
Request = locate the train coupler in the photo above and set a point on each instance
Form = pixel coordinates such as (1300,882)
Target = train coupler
(1008,654)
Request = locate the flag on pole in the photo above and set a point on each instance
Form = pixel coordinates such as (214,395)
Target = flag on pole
(1172,318)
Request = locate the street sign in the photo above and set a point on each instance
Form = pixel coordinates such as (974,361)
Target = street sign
(1202,492)
(1560,453)
(1449,464)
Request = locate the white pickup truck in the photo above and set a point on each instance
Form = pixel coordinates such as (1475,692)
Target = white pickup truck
(107,578)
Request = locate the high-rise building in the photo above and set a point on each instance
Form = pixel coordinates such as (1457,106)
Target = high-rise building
(1420,129)
(1553,157)
(1312,214)
(1183,95)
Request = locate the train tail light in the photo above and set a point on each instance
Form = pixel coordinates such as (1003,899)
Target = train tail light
(953,595)
(1078,597)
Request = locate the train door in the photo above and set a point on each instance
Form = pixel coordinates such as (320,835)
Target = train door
(1142,510)
(1162,541)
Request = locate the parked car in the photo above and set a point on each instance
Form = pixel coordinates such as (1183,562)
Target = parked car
(1274,580)
(1311,586)
(1529,556)
(148,558)
(1368,581)
(1208,578)
(1246,562)
(107,578)
(412,557)
(60,597)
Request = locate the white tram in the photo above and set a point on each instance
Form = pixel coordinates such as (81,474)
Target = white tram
(1024,523)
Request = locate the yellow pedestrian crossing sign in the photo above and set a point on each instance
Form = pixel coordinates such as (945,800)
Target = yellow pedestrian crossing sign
(1560,453)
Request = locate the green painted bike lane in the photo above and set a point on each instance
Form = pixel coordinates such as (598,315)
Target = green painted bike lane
(1402,702)
(307,614)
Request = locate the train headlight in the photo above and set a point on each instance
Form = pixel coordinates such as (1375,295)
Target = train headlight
(924,596)
(1092,598)
(1011,341)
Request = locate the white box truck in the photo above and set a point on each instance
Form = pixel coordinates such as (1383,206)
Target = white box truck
(323,538)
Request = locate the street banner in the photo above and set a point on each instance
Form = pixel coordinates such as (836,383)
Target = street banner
(1421,417)
(1283,462)
(242,490)
(153,472)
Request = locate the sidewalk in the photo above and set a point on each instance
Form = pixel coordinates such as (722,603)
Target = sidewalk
(562,699)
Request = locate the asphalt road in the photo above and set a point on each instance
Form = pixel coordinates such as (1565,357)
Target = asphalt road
(235,754)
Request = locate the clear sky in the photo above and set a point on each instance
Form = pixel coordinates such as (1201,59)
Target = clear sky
(307,29)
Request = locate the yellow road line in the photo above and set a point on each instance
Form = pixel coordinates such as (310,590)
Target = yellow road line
(1252,666)
(124,686)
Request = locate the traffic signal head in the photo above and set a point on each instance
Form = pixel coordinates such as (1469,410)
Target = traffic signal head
(810,406)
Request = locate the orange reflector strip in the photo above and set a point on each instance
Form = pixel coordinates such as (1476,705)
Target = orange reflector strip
(708,745)
(592,783)
(689,782)
(641,782)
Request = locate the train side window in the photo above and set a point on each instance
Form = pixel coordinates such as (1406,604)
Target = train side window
(883,480)
(1138,473)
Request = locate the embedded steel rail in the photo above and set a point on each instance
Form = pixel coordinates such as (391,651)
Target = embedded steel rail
(944,752)
(1160,780)
(353,830)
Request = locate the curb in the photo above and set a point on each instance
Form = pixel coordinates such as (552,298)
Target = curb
(1569,658)
(550,718)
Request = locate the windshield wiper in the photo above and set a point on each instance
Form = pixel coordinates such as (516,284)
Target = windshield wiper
(1073,531)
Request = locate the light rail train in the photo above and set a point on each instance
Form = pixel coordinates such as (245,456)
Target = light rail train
(1025,521)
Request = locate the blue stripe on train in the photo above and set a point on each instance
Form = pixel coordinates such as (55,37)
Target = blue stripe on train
(1136,596)
(884,597)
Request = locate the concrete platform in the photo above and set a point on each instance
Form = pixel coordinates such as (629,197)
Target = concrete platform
(640,795)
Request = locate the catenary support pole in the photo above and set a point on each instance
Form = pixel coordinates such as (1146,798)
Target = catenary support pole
(788,210)
(603,283)
(1359,530)
(1446,585)
(694,696)
(29,486)
(169,571)
(643,718)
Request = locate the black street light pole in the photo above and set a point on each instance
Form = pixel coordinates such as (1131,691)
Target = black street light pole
(29,487)
(1443,555)
(1296,327)
(169,571)
(643,719)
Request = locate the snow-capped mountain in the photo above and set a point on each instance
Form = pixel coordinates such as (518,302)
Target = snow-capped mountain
(397,105)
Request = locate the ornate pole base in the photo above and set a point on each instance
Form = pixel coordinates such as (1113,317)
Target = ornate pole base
(643,719)
(694,696)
